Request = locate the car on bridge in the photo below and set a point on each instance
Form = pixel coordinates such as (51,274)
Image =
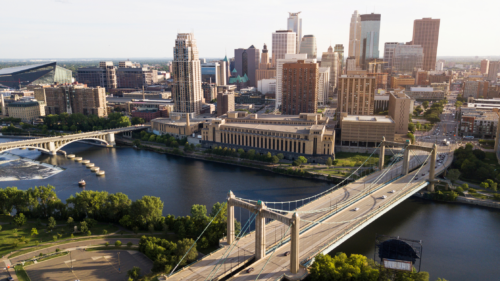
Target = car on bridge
(392,191)
(287,253)
(383,197)
(250,270)
(356,209)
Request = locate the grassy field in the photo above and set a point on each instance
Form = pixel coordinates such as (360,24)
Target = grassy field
(347,159)
(21,273)
(13,237)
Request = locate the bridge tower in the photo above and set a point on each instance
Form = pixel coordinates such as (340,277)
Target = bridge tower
(432,171)
(230,218)
(294,256)
(381,155)
(260,231)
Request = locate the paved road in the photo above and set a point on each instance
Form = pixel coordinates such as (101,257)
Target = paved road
(245,248)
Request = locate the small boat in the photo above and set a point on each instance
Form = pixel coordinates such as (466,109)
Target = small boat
(81,183)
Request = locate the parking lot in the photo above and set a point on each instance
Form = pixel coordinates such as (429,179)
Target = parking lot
(91,265)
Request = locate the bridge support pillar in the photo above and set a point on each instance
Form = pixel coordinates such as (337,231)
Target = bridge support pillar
(230,218)
(381,155)
(406,161)
(432,171)
(294,255)
(52,148)
(110,138)
(260,232)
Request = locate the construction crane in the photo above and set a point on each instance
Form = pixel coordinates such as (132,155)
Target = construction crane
(18,82)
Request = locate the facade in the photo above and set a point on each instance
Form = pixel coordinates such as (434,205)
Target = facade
(308,46)
(440,78)
(225,99)
(399,110)
(380,80)
(402,81)
(339,49)
(425,93)
(300,135)
(426,34)
(73,99)
(246,62)
(284,42)
(323,85)
(421,77)
(27,111)
(186,71)
(300,88)
(407,58)
(209,91)
(370,33)
(289,58)
(102,76)
(350,64)
(478,123)
(366,131)
(265,71)
(389,48)
(356,94)
(330,59)
(440,66)
(267,86)
(45,73)
(135,77)
(381,103)
(475,89)
(494,68)
(355,38)
(485,65)
(211,73)
(294,23)
(178,125)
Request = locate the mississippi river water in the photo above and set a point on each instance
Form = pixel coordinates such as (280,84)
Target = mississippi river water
(460,242)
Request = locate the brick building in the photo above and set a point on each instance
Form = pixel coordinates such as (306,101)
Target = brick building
(300,88)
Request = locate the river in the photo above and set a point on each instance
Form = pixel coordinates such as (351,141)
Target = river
(460,242)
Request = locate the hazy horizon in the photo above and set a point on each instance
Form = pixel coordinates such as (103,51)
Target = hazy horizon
(63,29)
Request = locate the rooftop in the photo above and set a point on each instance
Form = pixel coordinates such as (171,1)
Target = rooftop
(16,69)
(365,118)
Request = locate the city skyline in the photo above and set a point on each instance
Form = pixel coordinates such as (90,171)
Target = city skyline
(151,31)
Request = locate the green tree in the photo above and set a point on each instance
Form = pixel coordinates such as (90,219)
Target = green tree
(425,104)
(465,186)
(340,267)
(275,159)
(484,185)
(329,162)
(34,232)
(183,247)
(453,175)
(129,244)
(20,219)
(83,227)
(51,223)
(137,143)
(302,160)
(280,156)
(411,128)
(70,221)
(134,273)
(89,233)
(118,243)
(106,244)
(411,137)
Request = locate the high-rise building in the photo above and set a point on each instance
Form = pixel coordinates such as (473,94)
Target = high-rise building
(370,33)
(355,37)
(493,70)
(209,91)
(440,65)
(323,85)
(399,110)
(284,42)
(330,59)
(73,99)
(485,65)
(389,48)
(135,77)
(246,61)
(308,46)
(300,88)
(350,64)
(475,89)
(186,72)
(356,93)
(426,34)
(265,71)
(339,49)
(407,58)
(289,58)
(211,73)
(294,24)
(225,99)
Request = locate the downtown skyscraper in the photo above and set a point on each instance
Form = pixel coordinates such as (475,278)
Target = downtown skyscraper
(355,37)
(186,71)
(370,34)
(426,34)
(294,24)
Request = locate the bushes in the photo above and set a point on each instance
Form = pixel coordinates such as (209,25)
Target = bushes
(471,165)
(166,253)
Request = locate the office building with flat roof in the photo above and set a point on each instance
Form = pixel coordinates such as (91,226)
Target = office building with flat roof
(331,60)
(225,99)
(370,34)
(356,93)
(284,42)
(26,110)
(485,64)
(399,109)
(299,88)
(493,70)
(289,58)
(426,34)
(294,23)
(407,58)
(323,85)
(339,49)
(246,62)
(308,46)
(306,134)
(366,131)
(355,38)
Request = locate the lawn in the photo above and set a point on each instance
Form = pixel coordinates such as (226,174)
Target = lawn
(491,159)
(13,237)
(21,274)
(348,159)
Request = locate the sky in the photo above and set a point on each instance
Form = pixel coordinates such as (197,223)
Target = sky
(148,28)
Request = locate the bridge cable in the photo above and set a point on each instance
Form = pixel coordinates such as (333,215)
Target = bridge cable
(173,270)
(276,247)
(314,196)
(230,248)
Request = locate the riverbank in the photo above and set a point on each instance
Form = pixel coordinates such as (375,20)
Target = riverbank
(463,200)
(199,155)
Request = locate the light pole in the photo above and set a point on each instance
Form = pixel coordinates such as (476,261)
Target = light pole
(119,267)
